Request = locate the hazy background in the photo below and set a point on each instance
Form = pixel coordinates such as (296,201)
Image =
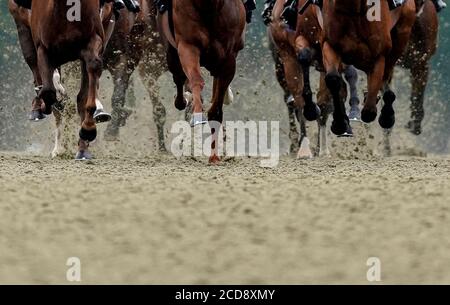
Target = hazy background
(258,94)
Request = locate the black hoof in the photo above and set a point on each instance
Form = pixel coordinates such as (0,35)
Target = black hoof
(180,103)
(311,111)
(342,128)
(414,127)
(100,116)
(83,155)
(389,97)
(88,135)
(368,116)
(36,115)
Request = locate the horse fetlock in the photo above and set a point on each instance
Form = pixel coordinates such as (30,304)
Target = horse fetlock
(334,82)
(49,98)
(95,65)
(389,97)
(311,111)
(88,135)
(305,57)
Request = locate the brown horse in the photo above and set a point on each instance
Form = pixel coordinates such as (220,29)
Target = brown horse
(135,43)
(372,46)
(207,33)
(45,50)
(294,52)
(421,48)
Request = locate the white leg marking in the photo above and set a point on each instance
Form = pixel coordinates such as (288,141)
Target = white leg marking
(57,83)
(323,140)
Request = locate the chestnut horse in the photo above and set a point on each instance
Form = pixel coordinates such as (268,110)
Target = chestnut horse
(351,37)
(294,52)
(48,40)
(207,33)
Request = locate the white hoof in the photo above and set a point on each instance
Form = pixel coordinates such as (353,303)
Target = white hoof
(304,151)
(229,97)
(188,97)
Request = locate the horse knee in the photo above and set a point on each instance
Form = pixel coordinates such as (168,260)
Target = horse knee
(351,75)
(95,65)
(334,82)
(305,57)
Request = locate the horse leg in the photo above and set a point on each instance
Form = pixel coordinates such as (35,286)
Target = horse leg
(304,150)
(374,84)
(400,36)
(150,75)
(93,68)
(310,111)
(179,77)
(30,56)
(58,133)
(83,146)
(48,91)
(121,73)
(324,101)
(215,113)
(288,99)
(419,75)
(190,61)
(351,76)
(333,79)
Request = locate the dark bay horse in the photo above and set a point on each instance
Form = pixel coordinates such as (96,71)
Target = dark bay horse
(372,46)
(421,48)
(136,44)
(294,51)
(208,33)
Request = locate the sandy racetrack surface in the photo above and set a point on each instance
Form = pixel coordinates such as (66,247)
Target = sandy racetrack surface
(163,220)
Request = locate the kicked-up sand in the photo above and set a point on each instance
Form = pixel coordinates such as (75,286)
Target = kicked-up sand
(163,220)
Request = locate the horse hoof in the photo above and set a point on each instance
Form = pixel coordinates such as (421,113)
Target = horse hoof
(342,128)
(198,119)
(229,97)
(304,151)
(181,102)
(355,114)
(88,135)
(36,115)
(59,106)
(100,116)
(83,155)
(214,160)
(311,111)
(368,116)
